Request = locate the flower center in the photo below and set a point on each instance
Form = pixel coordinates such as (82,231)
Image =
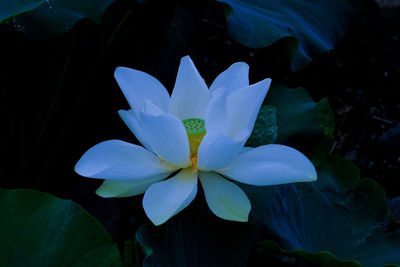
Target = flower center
(195,129)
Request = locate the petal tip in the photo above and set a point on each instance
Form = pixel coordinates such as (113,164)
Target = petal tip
(157,223)
(100,193)
(156,220)
(122,112)
(267,81)
(77,168)
(313,177)
(187,62)
(186,58)
(244,216)
(244,219)
(118,70)
(241,64)
(237,218)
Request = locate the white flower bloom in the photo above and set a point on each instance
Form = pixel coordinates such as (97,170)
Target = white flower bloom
(199,132)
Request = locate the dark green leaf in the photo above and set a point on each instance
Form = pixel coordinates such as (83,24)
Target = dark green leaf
(324,258)
(59,16)
(38,229)
(265,129)
(11,8)
(317,25)
(339,213)
(302,123)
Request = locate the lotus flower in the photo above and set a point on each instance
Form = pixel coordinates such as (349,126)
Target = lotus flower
(197,133)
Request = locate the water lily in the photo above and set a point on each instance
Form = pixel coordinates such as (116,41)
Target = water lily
(197,133)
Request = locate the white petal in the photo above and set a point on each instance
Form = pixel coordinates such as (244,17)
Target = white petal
(244,105)
(165,199)
(167,136)
(138,86)
(225,199)
(216,150)
(190,96)
(119,160)
(216,113)
(235,77)
(271,165)
(115,188)
(131,120)
(151,108)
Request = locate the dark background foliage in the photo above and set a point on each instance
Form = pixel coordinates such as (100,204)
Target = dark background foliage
(59,97)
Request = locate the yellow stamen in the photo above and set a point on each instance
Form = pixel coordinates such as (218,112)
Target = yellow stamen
(193,160)
(195,129)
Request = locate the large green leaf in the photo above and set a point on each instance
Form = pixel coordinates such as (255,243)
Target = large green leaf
(291,117)
(11,8)
(265,129)
(323,258)
(302,123)
(317,25)
(339,213)
(59,16)
(38,229)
